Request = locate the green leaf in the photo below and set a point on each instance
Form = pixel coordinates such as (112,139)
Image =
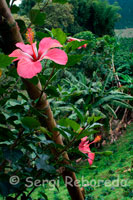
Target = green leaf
(107,153)
(73,59)
(36,17)
(44,195)
(21,25)
(59,1)
(70,168)
(41,35)
(59,35)
(121,104)
(43,130)
(5,60)
(14,9)
(12,155)
(79,113)
(107,81)
(41,163)
(92,167)
(71,46)
(90,119)
(7,136)
(30,122)
(115,96)
(34,80)
(52,90)
(65,133)
(68,122)
(97,118)
(109,109)
(86,133)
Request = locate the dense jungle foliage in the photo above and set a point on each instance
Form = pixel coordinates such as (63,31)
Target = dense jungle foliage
(75,87)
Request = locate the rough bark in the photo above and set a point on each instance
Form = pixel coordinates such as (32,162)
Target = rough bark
(10,36)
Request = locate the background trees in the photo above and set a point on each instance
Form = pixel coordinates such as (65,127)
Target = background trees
(96,16)
(99,17)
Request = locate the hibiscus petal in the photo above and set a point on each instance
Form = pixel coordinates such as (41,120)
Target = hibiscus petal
(56,55)
(91,157)
(20,54)
(27,48)
(70,39)
(84,139)
(28,69)
(84,149)
(46,44)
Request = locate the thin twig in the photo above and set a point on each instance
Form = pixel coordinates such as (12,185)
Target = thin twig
(48,81)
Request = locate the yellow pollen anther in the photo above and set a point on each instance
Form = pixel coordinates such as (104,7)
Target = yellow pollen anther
(97,139)
(30,35)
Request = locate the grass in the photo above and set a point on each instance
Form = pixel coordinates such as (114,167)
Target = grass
(116,169)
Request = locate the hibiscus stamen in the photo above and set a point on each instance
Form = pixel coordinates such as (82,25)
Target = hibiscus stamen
(97,139)
(30,35)
(30,39)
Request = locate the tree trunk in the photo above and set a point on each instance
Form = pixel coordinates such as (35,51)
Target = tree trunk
(10,35)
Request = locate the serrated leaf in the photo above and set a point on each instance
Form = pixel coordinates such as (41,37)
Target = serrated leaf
(37,17)
(59,35)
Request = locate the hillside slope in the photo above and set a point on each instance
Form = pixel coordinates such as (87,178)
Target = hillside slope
(114,169)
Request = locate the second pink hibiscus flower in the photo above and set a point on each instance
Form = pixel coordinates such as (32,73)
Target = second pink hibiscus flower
(84,147)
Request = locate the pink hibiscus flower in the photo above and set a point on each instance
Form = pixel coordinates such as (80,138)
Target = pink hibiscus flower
(70,39)
(29,58)
(84,147)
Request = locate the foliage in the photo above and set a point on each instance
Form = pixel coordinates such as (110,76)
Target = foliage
(76,16)
(26,6)
(98,54)
(113,168)
(57,16)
